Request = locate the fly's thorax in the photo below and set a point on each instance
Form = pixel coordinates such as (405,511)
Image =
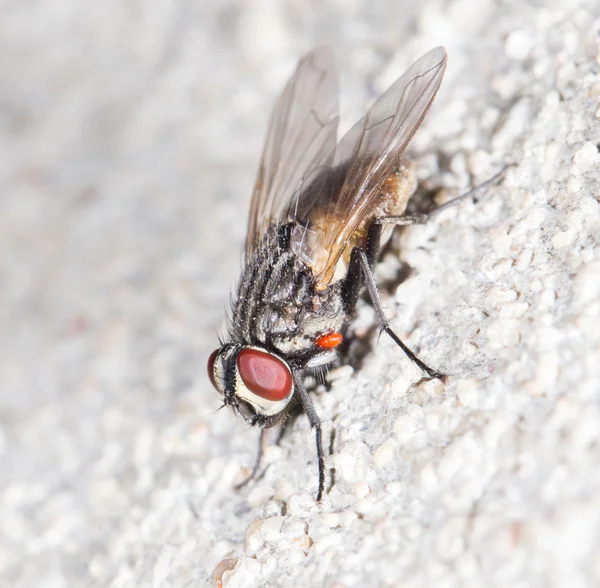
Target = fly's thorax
(322,314)
(277,306)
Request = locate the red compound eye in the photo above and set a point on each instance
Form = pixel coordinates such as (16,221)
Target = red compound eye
(211,367)
(264,374)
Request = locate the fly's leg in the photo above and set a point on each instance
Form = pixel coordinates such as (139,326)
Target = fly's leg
(374,236)
(361,267)
(384,325)
(473,192)
(315,423)
(262,445)
(354,278)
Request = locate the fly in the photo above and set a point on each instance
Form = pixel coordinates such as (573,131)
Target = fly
(316,223)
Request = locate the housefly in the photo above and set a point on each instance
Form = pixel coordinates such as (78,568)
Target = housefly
(317,217)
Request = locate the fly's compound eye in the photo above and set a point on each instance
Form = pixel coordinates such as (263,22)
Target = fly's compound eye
(264,374)
(263,381)
(211,368)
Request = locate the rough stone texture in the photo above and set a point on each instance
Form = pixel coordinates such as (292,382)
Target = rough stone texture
(129,137)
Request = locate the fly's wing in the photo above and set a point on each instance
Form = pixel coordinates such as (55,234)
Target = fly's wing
(300,142)
(366,155)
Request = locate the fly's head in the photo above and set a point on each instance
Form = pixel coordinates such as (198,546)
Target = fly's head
(256,383)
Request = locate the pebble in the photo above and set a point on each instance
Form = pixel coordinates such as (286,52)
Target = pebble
(503,333)
(302,506)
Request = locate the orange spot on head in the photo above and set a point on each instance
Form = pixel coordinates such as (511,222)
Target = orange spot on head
(329,341)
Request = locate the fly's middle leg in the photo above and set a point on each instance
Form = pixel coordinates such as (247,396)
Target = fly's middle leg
(374,236)
(360,268)
(315,423)
(354,277)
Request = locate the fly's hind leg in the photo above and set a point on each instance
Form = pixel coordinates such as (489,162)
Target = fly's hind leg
(360,268)
(395,194)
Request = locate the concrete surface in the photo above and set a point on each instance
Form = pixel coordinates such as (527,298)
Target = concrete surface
(129,138)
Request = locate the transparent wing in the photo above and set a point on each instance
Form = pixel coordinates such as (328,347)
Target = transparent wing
(300,141)
(366,155)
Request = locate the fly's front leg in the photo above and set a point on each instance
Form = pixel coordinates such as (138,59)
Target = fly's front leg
(315,423)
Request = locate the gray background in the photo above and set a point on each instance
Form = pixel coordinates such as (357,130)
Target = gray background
(129,138)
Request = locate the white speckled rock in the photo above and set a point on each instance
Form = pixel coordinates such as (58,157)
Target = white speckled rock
(129,140)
